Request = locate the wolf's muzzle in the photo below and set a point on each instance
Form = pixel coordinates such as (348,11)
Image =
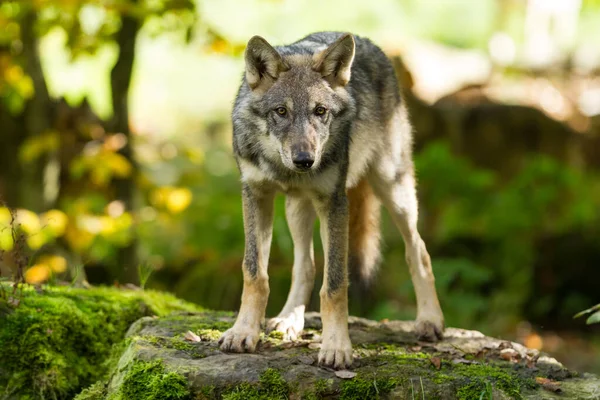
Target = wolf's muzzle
(303,160)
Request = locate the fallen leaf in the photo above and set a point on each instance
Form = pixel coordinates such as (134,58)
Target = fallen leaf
(436,362)
(314,346)
(191,337)
(548,384)
(345,374)
(510,355)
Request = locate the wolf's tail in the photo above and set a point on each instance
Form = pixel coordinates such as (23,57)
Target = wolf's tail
(364,232)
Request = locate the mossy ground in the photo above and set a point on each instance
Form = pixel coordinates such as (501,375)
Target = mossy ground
(284,370)
(389,367)
(271,386)
(56,342)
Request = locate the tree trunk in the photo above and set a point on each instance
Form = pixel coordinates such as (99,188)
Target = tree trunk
(23,185)
(37,118)
(125,188)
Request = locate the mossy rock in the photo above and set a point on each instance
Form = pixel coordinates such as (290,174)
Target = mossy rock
(389,363)
(59,340)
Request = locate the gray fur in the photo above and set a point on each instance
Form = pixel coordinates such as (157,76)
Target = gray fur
(334,97)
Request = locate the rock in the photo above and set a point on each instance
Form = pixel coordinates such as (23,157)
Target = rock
(388,362)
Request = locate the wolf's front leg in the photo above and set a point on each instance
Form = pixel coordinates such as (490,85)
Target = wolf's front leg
(258,228)
(301,217)
(336,348)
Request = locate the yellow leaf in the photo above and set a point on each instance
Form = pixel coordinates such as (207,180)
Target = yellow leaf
(29,221)
(38,273)
(36,241)
(25,87)
(34,147)
(159,196)
(120,166)
(109,226)
(6,240)
(196,156)
(5,217)
(100,176)
(56,263)
(219,46)
(55,221)
(78,239)
(178,200)
(13,74)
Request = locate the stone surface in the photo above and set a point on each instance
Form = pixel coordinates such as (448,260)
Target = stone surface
(388,361)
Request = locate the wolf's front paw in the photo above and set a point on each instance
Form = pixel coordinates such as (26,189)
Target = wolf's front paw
(290,324)
(336,352)
(430,329)
(239,340)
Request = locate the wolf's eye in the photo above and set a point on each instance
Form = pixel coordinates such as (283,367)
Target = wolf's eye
(281,111)
(320,111)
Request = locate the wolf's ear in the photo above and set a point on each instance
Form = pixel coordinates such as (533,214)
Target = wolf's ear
(334,62)
(263,63)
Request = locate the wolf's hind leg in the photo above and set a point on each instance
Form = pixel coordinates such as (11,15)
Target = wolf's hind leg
(258,229)
(398,194)
(301,217)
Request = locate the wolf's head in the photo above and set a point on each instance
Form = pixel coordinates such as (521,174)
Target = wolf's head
(301,98)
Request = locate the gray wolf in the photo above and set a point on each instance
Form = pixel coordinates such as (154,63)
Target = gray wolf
(322,120)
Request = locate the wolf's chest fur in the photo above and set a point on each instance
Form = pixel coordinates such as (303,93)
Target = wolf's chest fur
(361,152)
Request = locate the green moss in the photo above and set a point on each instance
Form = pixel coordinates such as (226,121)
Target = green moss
(276,335)
(150,381)
(57,342)
(442,378)
(321,388)
(476,390)
(367,388)
(177,342)
(461,380)
(208,320)
(95,392)
(475,379)
(210,334)
(207,393)
(271,386)
(272,382)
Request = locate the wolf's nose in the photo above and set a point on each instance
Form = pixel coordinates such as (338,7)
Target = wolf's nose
(303,160)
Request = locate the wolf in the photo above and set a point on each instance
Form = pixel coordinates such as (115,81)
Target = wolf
(323,121)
